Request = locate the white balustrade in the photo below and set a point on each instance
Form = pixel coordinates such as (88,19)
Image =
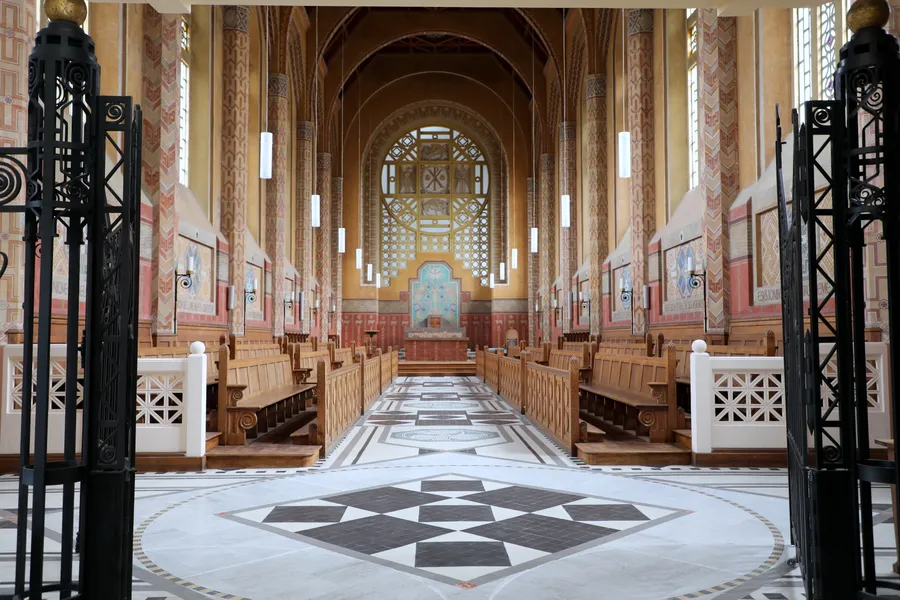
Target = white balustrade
(738,402)
(170,402)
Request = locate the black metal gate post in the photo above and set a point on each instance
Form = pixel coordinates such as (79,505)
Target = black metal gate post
(82,188)
(846,178)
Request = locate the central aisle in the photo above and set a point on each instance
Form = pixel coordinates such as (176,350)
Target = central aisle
(443,491)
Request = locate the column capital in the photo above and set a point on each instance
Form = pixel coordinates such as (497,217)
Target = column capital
(305,131)
(640,20)
(236,18)
(595,86)
(278,85)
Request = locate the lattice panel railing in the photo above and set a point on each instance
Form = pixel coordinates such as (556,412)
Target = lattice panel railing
(491,369)
(748,396)
(372,380)
(57,386)
(385,363)
(553,402)
(160,399)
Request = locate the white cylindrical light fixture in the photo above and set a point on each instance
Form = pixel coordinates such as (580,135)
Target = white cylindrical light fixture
(491,280)
(624,154)
(503,271)
(378,280)
(266,141)
(369,272)
(231,293)
(534,240)
(302,296)
(359,258)
(315,210)
(565,211)
(514,263)
(342,240)
(646,298)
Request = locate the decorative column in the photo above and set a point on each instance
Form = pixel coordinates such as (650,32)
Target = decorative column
(568,243)
(533,276)
(304,256)
(161,95)
(337,204)
(640,121)
(235,126)
(17,20)
(277,194)
(596,191)
(323,240)
(547,241)
(718,137)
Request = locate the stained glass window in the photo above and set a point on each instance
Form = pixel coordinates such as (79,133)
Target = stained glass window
(693,86)
(184,81)
(434,198)
(827,58)
(803,56)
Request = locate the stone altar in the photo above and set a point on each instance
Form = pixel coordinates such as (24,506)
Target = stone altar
(436,344)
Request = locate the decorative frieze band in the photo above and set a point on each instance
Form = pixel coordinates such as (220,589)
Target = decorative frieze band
(640,20)
(237,18)
(278,85)
(595,86)
(323,161)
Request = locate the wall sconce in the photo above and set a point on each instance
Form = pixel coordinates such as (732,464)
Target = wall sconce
(314,310)
(555,306)
(184,281)
(289,305)
(625,293)
(249,298)
(231,297)
(696,279)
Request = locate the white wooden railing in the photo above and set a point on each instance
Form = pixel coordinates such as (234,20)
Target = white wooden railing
(170,402)
(739,401)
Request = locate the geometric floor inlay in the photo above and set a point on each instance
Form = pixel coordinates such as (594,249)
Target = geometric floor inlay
(456,529)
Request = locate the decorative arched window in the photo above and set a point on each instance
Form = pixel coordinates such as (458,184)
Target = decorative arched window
(434,198)
(818,33)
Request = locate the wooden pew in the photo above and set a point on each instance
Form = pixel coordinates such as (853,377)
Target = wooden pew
(212,359)
(560,359)
(510,380)
(307,363)
(395,364)
(633,394)
(339,356)
(257,395)
(479,363)
(552,401)
(539,354)
(385,360)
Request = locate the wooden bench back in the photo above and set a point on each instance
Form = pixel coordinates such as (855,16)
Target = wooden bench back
(260,374)
(491,369)
(635,373)
(339,401)
(311,360)
(551,400)
(479,363)
(560,359)
(212,357)
(627,348)
(539,353)
(395,364)
(242,351)
(371,373)
(385,359)
(344,355)
(510,380)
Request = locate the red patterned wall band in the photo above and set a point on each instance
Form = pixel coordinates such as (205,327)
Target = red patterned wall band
(481,329)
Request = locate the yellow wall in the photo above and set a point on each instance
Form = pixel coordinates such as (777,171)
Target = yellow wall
(676,159)
(746,81)
(777,61)
(200,165)
(255,189)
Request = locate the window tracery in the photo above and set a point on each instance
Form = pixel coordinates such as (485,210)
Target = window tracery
(435,187)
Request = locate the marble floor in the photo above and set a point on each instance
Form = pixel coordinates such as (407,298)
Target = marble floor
(443,491)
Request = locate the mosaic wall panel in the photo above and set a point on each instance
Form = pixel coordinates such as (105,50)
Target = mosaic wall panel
(768,264)
(622,280)
(160,399)
(434,292)
(679,296)
(200,297)
(254,280)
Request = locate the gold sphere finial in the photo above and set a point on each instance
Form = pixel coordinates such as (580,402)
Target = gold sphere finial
(868,13)
(71,11)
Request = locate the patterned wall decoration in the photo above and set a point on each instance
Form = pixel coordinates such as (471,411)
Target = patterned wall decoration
(289,313)
(568,243)
(748,397)
(161,97)
(596,189)
(323,239)
(277,193)
(547,241)
(304,162)
(640,122)
(719,171)
(337,271)
(679,296)
(17,21)
(434,292)
(200,297)
(406,119)
(160,399)
(235,111)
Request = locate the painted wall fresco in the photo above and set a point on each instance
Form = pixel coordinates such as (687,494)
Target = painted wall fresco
(200,297)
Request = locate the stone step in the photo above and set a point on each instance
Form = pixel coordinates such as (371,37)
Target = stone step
(262,456)
(633,453)
(212,439)
(683,438)
(446,368)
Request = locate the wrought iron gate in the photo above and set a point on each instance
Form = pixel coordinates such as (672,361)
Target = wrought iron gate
(846,171)
(81,178)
